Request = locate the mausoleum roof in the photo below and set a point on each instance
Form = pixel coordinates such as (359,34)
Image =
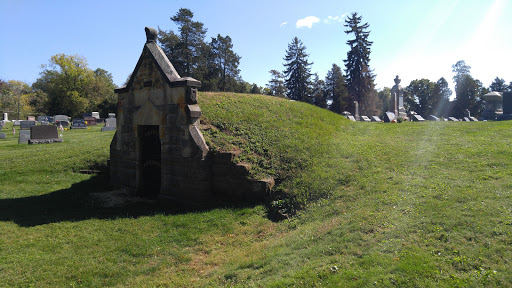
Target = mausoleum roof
(163,64)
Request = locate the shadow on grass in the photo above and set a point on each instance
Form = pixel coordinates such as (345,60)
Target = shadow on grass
(76,204)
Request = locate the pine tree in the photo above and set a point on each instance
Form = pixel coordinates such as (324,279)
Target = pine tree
(276,84)
(336,90)
(297,71)
(184,49)
(318,94)
(226,61)
(359,76)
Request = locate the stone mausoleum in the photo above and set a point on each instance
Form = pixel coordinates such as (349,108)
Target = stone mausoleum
(158,148)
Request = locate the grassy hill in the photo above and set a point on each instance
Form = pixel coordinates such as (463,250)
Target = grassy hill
(408,205)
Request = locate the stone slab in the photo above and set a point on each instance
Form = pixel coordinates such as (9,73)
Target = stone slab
(417,118)
(23,137)
(473,119)
(365,119)
(351,118)
(44,132)
(26,124)
(108,128)
(389,116)
(2,135)
(44,141)
(433,118)
(452,119)
(376,119)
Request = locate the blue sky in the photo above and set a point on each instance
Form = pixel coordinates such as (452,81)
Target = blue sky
(412,39)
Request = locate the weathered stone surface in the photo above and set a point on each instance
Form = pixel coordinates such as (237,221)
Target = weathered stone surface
(376,119)
(433,118)
(26,124)
(23,137)
(389,116)
(2,135)
(365,119)
(44,132)
(417,118)
(351,118)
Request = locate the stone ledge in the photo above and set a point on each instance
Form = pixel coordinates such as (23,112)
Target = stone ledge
(44,141)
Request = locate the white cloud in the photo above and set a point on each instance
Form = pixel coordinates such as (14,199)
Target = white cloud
(307,22)
(283,24)
(331,19)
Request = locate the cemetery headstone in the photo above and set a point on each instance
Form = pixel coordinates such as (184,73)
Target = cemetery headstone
(417,118)
(26,124)
(6,117)
(111,115)
(78,123)
(23,137)
(433,118)
(45,123)
(31,118)
(389,117)
(110,125)
(2,135)
(376,119)
(356,114)
(2,124)
(90,121)
(44,134)
(397,99)
(452,119)
(473,119)
(44,118)
(493,106)
(16,122)
(466,119)
(365,119)
(61,120)
(351,118)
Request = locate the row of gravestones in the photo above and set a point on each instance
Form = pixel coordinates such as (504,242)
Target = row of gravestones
(364,118)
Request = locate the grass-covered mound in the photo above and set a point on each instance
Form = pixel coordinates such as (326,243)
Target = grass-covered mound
(407,205)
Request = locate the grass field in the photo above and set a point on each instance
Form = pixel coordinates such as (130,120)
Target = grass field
(407,205)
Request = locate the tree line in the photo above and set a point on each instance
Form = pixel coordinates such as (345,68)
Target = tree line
(339,91)
(68,86)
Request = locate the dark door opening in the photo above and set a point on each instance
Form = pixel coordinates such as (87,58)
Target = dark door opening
(150,160)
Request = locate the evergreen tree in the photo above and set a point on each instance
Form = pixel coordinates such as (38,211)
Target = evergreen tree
(498,85)
(336,90)
(226,61)
(318,95)
(255,89)
(184,49)
(276,84)
(297,71)
(468,95)
(359,77)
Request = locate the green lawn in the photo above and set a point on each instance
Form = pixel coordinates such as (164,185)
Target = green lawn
(376,204)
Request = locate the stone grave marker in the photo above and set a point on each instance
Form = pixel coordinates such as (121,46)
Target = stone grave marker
(473,119)
(433,118)
(389,116)
(6,117)
(78,123)
(2,124)
(45,123)
(452,119)
(467,119)
(351,118)
(110,125)
(376,119)
(2,135)
(44,134)
(44,118)
(111,115)
(16,122)
(365,119)
(26,124)
(31,118)
(23,137)
(61,120)
(90,121)
(417,118)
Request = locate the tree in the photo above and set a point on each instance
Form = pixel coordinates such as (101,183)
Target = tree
(318,95)
(226,61)
(297,71)
(498,85)
(422,97)
(72,88)
(385,98)
(255,89)
(460,69)
(468,92)
(443,92)
(15,96)
(184,49)
(336,90)
(276,84)
(359,76)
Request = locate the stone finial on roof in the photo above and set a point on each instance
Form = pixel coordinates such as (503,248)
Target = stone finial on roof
(150,34)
